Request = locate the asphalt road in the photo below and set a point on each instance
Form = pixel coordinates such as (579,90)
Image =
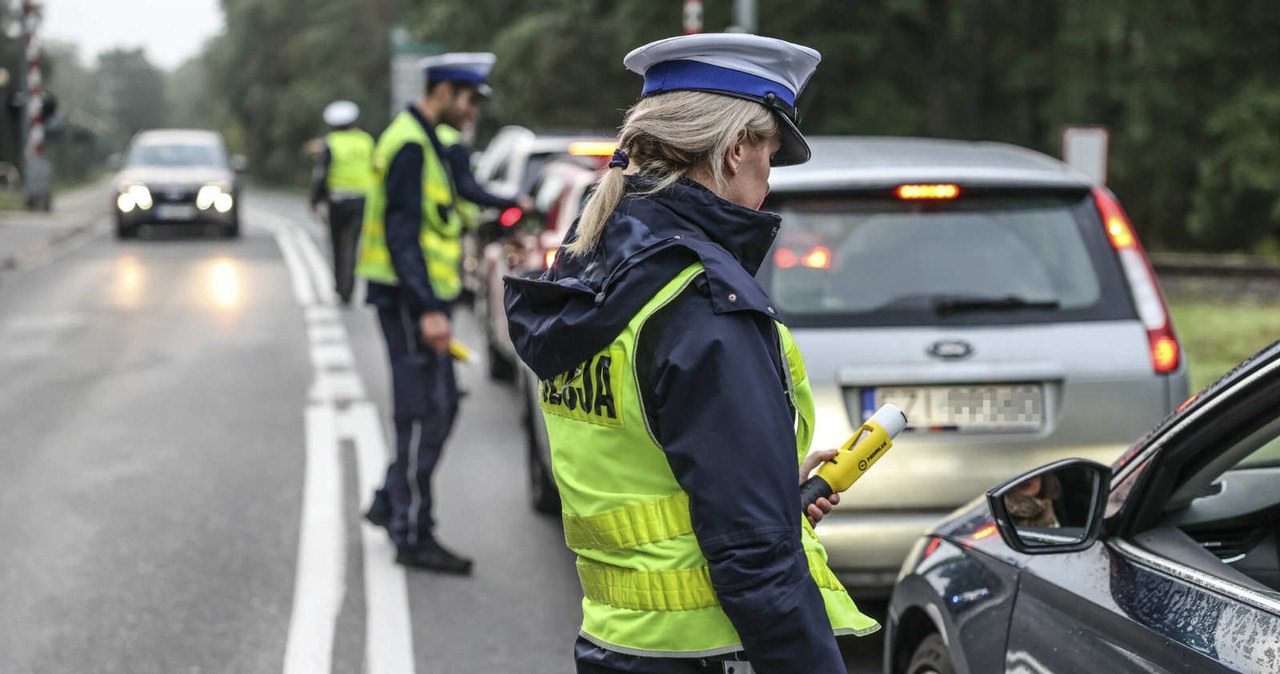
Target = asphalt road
(191,429)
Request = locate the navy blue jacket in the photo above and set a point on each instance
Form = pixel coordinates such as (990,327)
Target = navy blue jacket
(710,372)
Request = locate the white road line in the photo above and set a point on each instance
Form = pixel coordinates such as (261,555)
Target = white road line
(303,291)
(388,631)
(388,635)
(320,581)
(320,271)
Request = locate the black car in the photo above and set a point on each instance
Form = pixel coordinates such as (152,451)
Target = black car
(178,176)
(1166,561)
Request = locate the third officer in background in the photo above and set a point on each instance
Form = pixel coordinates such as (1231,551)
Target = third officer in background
(410,253)
(342,179)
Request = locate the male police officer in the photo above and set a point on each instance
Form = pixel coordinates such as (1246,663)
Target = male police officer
(343,177)
(410,254)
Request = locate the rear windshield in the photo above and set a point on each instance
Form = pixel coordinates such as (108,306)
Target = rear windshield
(974,260)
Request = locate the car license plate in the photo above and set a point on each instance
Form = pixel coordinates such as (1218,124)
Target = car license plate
(997,408)
(175,212)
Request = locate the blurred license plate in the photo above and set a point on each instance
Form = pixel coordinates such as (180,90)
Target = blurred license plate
(175,212)
(1003,408)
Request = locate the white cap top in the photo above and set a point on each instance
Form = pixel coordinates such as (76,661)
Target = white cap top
(890,418)
(778,61)
(341,113)
(471,67)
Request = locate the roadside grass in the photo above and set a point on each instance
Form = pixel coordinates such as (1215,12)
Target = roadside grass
(1217,334)
(11,200)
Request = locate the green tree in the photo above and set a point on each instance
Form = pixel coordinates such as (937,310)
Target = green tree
(131,95)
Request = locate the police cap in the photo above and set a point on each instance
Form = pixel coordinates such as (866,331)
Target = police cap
(767,70)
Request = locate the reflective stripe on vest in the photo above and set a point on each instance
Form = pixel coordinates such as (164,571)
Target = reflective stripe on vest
(646,585)
(671,589)
(440,230)
(350,161)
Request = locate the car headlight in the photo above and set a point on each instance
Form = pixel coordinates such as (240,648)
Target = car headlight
(134,196)
(216,196)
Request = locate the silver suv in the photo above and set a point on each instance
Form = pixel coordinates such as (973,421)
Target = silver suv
(993,293)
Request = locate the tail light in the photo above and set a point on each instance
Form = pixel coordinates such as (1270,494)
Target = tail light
(1166,354)
(511,216)
(818,257)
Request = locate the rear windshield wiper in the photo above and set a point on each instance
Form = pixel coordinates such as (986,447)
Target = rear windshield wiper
(955,305)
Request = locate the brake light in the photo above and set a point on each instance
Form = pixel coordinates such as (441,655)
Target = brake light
(1165,352)
(585,148)
(551,257)
(818,258)
(936,192)
(511,216)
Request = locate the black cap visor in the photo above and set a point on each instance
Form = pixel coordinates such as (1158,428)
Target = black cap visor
(794,148)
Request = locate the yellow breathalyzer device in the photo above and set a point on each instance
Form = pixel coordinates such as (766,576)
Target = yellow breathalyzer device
(459,351)
(856,456)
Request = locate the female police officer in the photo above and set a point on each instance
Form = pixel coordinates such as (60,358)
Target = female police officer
(676,404)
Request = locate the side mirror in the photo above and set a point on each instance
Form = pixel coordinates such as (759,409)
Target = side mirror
(115,161)
(239,163)
(1052,509)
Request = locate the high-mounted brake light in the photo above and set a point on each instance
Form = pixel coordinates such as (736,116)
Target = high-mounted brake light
(936,192)
(1165,352)
(511,216)
(587,148)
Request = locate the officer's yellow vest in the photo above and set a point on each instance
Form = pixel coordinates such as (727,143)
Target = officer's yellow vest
(350,161)
(646,585)
(441,225)
(468,211)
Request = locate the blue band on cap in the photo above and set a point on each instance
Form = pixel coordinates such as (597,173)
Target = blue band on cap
(679,75)
(453,75)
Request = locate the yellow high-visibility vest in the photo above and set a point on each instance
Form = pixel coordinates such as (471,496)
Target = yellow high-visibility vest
(350,161)
(441,224)
(646,584)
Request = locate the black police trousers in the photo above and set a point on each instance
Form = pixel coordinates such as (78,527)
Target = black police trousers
(345,218)
(425,396)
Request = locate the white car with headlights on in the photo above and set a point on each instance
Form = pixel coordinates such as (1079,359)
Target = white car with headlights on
(178,176)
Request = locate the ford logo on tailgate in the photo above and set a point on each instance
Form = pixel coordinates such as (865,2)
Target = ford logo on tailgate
(951,349)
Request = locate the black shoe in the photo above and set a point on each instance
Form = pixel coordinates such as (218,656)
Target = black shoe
(433,558)
(379,513)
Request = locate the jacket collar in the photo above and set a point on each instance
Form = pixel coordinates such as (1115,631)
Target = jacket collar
(744,233)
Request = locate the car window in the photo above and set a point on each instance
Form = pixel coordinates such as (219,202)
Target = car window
(532,169)
(548,192)
(176,155)
(1266,456)
(887,261)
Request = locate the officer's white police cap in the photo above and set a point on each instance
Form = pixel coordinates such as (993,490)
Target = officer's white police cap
(767,70)
(467,67)
(341,113)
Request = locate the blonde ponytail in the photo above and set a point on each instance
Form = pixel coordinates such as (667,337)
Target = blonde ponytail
(665,137)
